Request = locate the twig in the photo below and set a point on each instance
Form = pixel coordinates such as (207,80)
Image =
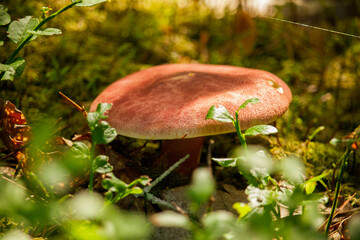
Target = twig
(77,106)
(166,173)
(155,200)
(211,143)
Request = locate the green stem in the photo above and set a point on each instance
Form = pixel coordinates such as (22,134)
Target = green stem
(116,198)
(27,40)
(344,161)
(276,213)
(92,155)
(238,131)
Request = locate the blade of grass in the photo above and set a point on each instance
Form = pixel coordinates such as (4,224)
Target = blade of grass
(344,161)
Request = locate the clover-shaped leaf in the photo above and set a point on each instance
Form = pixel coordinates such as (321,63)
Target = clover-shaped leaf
(102,165)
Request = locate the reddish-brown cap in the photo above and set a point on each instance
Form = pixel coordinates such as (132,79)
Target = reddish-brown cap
(171,101)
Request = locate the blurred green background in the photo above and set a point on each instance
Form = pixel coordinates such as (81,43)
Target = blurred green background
(104,43)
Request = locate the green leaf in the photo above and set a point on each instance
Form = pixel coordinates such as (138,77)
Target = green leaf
(9,72)
(114,184)
(261,129)
(80,150)
(93,118)
(254,164)
(103,134)
(226,162)
(318,178)
(1,43)
(202,186)
(4,16)
(19,65)
(311,183)
(18,30)
(218,223)
(88,3)
(170,219)
(85,205)
(109,135)
(143,180)
(220,114)
(293,170)
(250,100)
(5,68)
(135,190)
(259,197)
(109,196)
(46,32)
(242,209)
(310,187)
(102,165)
(102,108)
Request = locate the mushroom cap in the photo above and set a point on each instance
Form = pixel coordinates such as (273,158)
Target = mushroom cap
(171,101)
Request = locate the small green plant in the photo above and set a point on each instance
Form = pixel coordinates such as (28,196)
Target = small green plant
(221,114)
(26,29)
(117,189)
(101,133)
(83,214)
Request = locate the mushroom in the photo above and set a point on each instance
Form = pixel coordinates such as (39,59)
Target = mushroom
(169,102)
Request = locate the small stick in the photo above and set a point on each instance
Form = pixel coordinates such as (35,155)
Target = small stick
(77,106)
(211,142)
(277,136)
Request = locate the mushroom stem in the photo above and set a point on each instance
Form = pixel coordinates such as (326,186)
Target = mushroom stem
(174,150)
